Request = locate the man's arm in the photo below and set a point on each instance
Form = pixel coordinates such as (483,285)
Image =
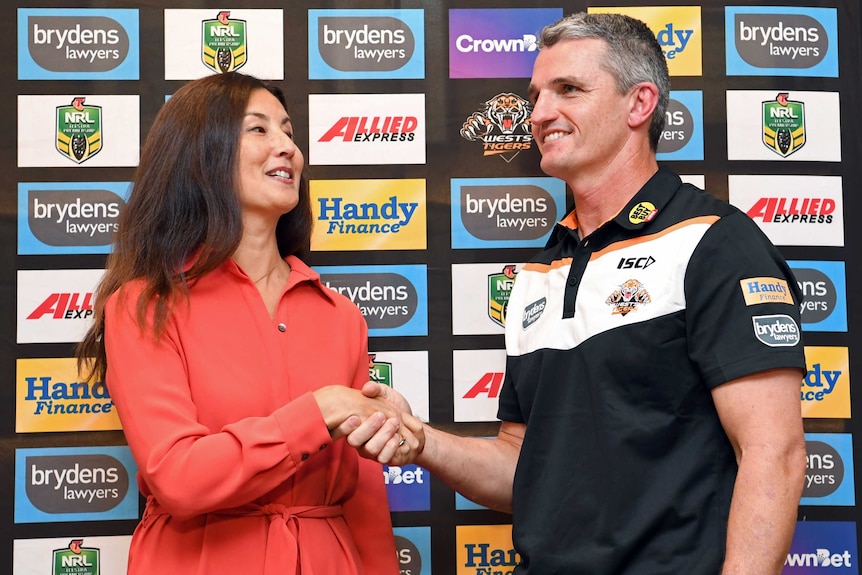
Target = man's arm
(480,469)
(761,415)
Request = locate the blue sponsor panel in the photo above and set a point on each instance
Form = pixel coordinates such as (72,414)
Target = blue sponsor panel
(413,545)
(78,44)
(829,477)
(496,42)
(462,503)
(824,290)
(822,547)
(408,487)
(75,484)
(505,212)
(682,137)
(366,44)
(781,41)
(393,299)
(68,217)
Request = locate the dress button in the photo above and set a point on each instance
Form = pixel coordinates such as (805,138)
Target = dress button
(322,447)
(304,456)
(282,328)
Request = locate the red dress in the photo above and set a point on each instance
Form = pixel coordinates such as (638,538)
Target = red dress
(234,457)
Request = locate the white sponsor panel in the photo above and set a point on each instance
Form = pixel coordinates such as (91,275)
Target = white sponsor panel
(408,371)
(695,180)
(792,210)
(37,131)
(818,139)
(55,306)
(184,43)
(479,297)
(366,129)
(477,377)
(36,556)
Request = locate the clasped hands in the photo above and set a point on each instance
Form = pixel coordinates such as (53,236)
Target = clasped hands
(377,421)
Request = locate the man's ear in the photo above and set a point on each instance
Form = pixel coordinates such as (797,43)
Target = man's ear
(644,99)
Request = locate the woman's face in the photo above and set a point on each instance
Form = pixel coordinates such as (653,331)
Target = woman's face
(270,164)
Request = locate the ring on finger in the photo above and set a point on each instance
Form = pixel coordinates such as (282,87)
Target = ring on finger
(402,442)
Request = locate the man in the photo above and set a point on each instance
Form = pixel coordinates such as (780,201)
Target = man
(651,420)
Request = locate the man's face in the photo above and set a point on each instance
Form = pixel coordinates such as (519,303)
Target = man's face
(579,119)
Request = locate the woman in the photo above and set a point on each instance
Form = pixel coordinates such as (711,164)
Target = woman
(233,369)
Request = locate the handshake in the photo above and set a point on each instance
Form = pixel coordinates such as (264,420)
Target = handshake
(376,420)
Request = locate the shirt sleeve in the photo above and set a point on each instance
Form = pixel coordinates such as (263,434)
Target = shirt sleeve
(367,510)
(190,469)
(742,304)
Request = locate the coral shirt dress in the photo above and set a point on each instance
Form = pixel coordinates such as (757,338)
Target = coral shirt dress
(235,460)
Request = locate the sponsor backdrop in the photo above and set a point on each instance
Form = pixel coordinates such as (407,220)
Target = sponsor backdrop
(428,199)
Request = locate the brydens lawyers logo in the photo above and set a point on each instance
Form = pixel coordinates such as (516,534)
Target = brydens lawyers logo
(502,125)
(79,130)
(77,43)
(76,559)
(223,43)
(781,41)
(392,298)
(366,44)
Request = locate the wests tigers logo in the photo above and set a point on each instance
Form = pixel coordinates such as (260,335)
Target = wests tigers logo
(502,125)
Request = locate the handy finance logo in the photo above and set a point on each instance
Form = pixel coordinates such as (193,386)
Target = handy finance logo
(366,44)
(68,217)
(678,31)
(496,42)
(51,395)
(78,44)
(393,299)
(825,388)
(829,478)
(75,484)
(505,212)
(368,215)
(484,549)
(781,41)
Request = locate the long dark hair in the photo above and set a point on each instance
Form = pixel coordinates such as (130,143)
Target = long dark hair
(183,217)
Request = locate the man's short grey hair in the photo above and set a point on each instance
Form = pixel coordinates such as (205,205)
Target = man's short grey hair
(633,54)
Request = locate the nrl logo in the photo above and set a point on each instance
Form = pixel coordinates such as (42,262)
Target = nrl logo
(76,560)
(628,297)
(224,43)
(783,125)
(379,371)
(499,289)
(502,125)
(79,130)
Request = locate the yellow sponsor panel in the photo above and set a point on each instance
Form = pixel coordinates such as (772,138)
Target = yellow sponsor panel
(825,388)
(677,29)
(51,396)
(765,290)
(485,549)
(364,215)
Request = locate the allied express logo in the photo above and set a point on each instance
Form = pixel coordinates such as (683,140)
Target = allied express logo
(224,43)
(79,130)
(783,125)
(76,560)
(499,288)
(502,124)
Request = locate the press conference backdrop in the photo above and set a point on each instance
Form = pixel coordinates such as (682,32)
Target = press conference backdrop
(428,198)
